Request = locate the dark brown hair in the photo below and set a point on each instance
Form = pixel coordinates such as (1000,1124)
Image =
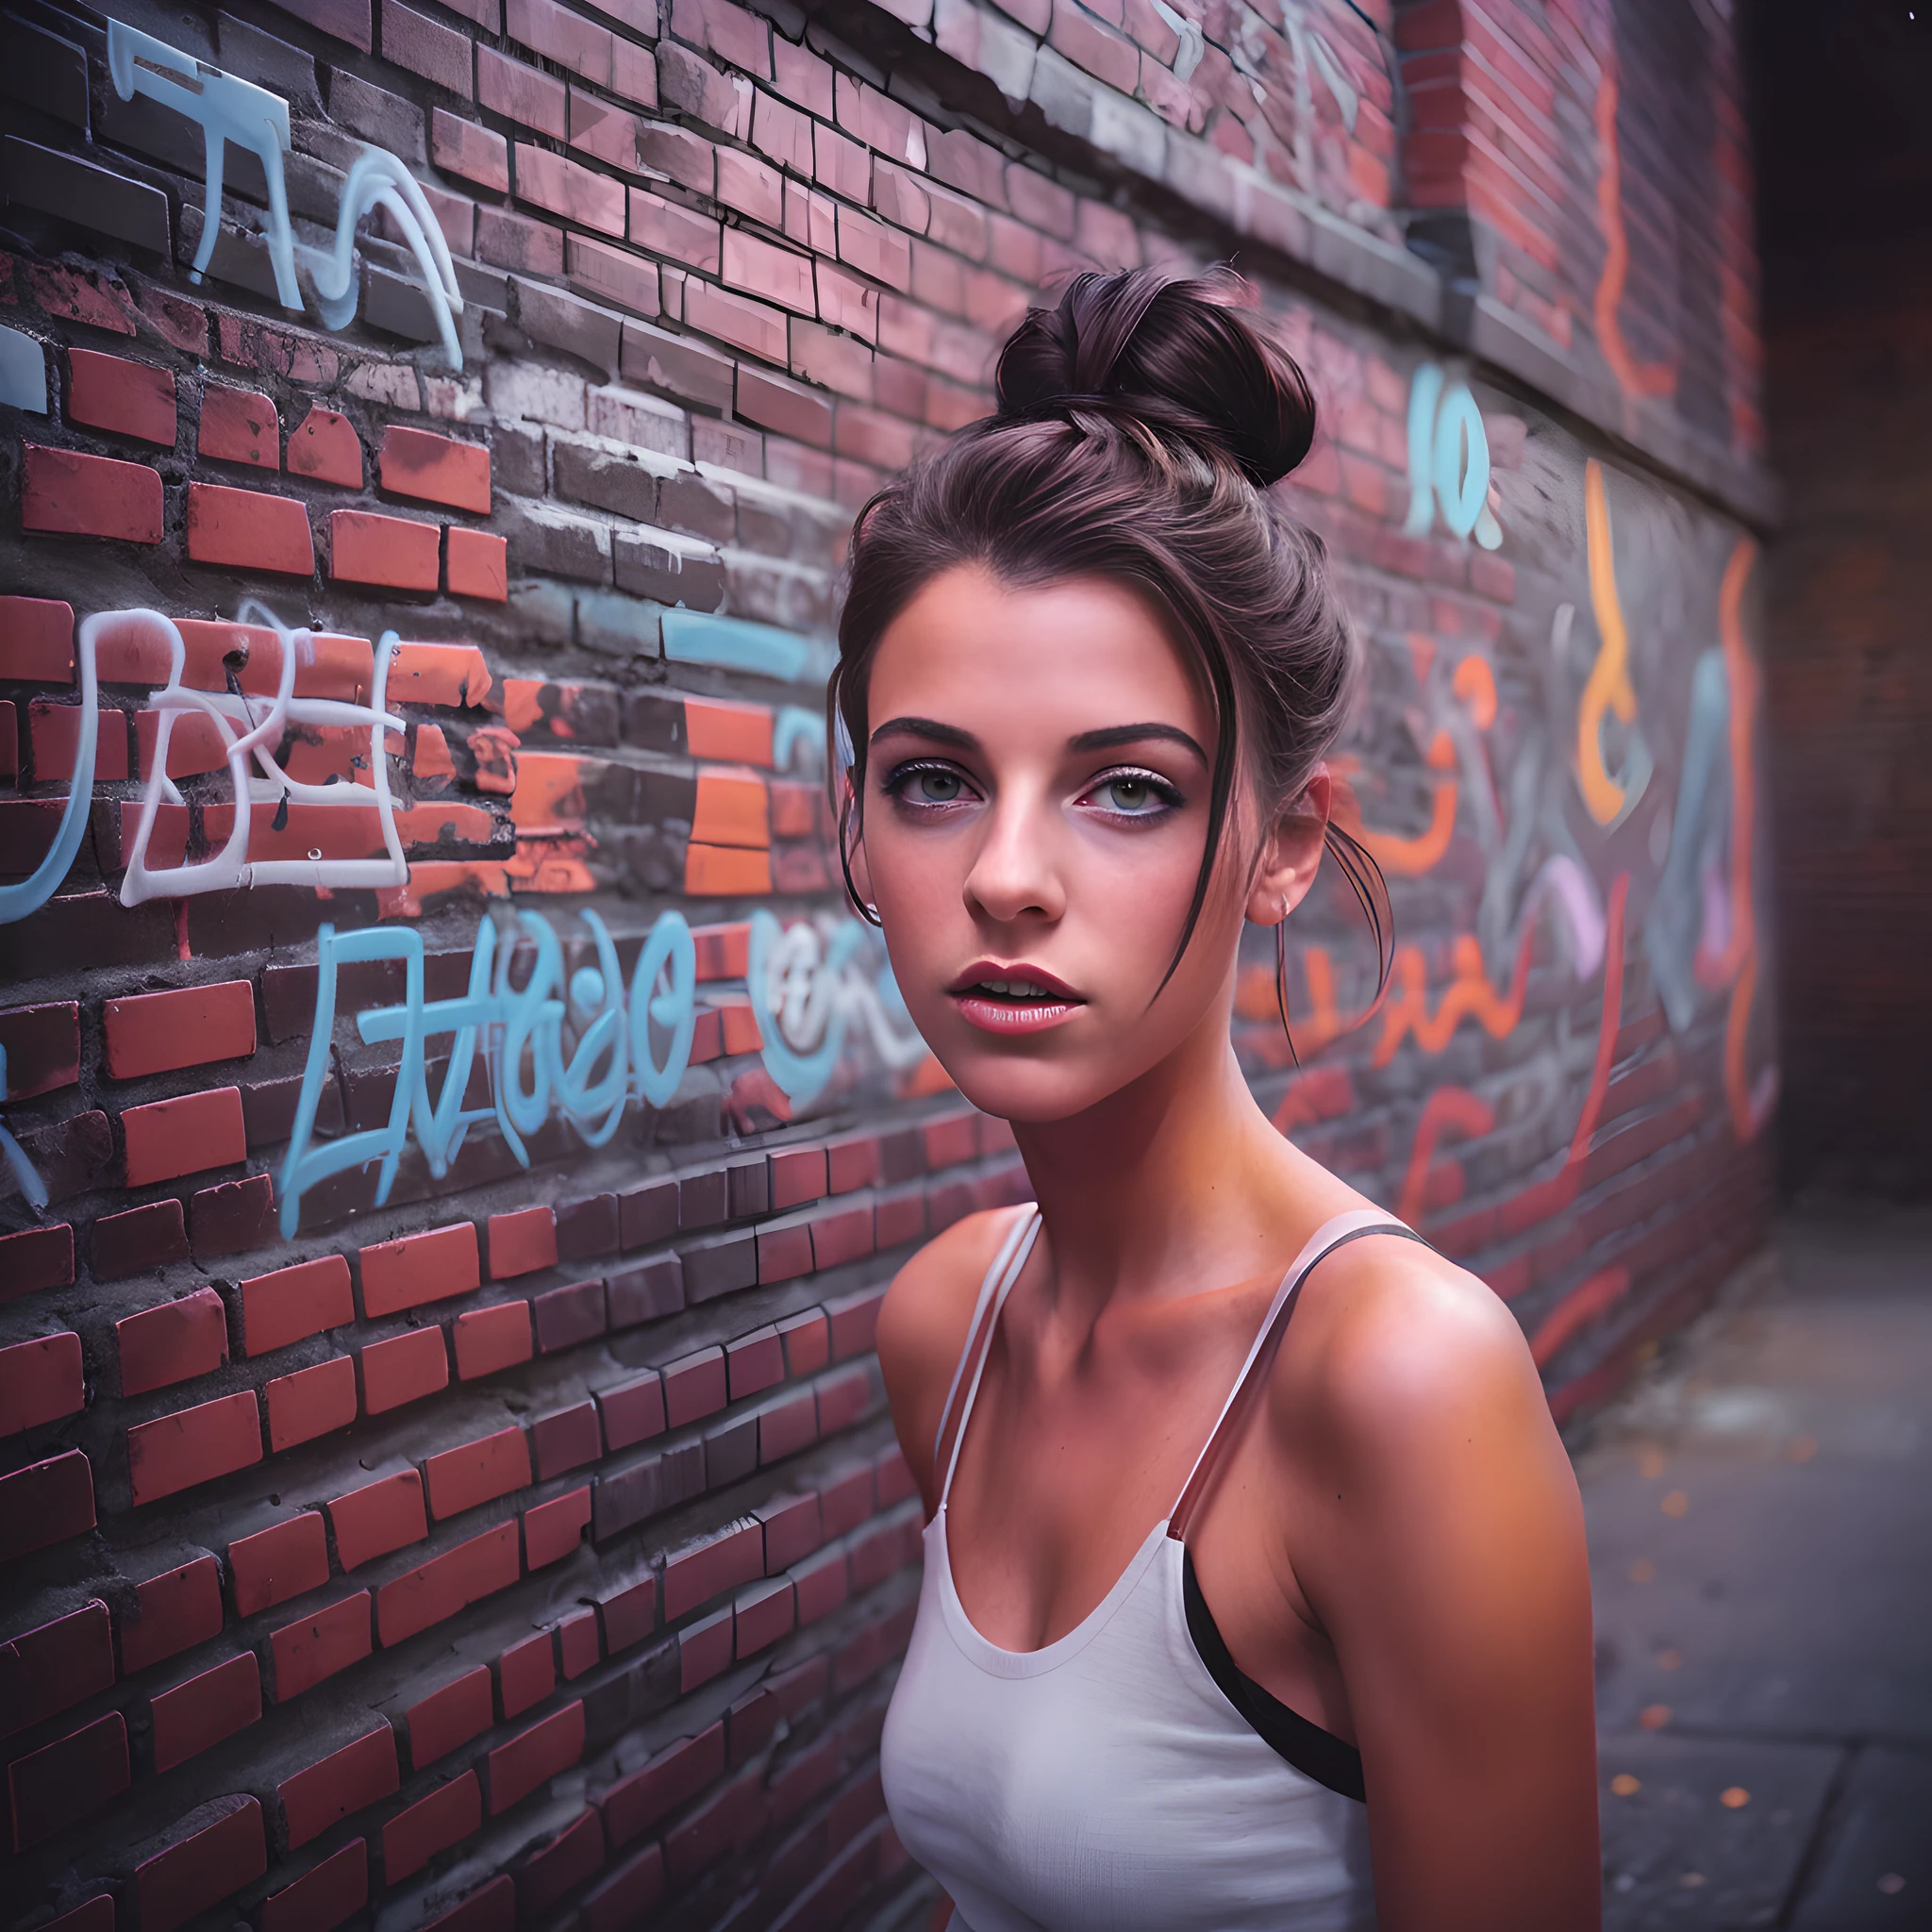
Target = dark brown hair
(1141,423)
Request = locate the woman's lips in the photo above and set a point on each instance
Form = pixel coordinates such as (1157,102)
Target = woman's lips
(1013,1001)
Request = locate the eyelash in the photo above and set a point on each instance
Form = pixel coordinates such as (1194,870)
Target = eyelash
(900,777)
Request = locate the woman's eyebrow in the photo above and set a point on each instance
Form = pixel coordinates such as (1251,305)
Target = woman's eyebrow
(926,727)
(1116,735)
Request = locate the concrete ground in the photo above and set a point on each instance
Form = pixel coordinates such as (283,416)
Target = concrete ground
(1760,1528)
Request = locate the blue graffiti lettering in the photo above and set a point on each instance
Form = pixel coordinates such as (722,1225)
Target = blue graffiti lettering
(581,1049)
(1448,460)
(26,1176)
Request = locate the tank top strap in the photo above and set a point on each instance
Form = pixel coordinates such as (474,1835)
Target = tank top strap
(1331,1235)
(1007,1264)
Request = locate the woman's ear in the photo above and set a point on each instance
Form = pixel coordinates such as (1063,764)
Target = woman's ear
(1292,854)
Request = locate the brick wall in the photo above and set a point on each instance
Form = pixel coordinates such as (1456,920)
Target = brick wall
(446,1479)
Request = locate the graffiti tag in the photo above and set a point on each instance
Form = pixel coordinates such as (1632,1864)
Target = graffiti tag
(1448,460)
(579,1045)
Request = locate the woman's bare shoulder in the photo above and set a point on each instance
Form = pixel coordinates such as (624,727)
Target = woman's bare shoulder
(922,1327)
(1397,1345)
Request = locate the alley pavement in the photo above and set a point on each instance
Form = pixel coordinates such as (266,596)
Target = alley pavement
(1760,1526)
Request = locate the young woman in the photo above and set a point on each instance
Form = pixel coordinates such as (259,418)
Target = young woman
(1226,1622)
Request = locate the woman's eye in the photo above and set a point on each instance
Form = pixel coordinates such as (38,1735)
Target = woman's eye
(1134,795)
(936,788)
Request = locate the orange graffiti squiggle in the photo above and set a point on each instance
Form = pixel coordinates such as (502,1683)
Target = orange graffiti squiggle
(1749,1101)
(1468,996)
(1637,378)
(1609,687)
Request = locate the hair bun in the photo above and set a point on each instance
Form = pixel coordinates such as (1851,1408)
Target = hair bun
(1178,355)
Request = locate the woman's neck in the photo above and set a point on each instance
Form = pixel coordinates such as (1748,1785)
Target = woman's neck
(1176,1182)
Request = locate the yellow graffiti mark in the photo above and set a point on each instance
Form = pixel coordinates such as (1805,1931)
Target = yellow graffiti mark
(1609,688)
(1475,683)
(1635,378)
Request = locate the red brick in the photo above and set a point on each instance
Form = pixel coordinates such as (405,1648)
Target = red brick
(808,1342)
(294,1302)
(693,1386)
(339,1785)
(95,1915)
(248,529)
(398,551)
(633,1804)
(799,1174)
(753,1362)
(310,1403)
(490,1908)
(846,1497)
(36,639)
(49,1669)
(378,1518)
(274,1564)
(488,1339)
(324,1896)
(439,674)
(719,1562)
(577,1645)
(566,1316)
(628,1614)
(69,1779)
(240,426)
(171,1343)
(217,1849)
(846,1235)
(763,1614)
(478,565)
(438,1724)
(704,1650)
(42,1046)
(521,1241)
(460,147)
(632,1412)
(448,1582)
(317,1646)
(202,1711)
(420,1268)
(793,1530)
(552,1530)
(35,1259)
(854,1320)
(561,1867)
(232,1217)
(167,1139)
(54,731)
(131,398)
(516,1769)
(39,1382)
(193,1445)
(436,469)
(432,1825)
(179,1609)
(784,1251)
(478,1472)
(821,1585)
(67,493)
(190,1026)
(526,1674)
(138,1239)
(567,1440)
(324,445)
(786,1425)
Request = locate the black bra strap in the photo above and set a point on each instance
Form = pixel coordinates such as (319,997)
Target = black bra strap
(1323,1757)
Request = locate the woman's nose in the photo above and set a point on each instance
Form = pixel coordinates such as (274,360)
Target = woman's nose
(1013,875)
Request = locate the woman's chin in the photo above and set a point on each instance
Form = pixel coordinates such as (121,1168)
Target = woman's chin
(1015,1089)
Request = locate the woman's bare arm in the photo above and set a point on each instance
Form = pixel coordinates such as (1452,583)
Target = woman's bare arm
(1448,1565)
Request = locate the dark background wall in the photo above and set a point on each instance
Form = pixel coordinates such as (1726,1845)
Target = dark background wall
(1845,157)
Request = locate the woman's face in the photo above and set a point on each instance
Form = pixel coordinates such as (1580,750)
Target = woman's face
(1036,809)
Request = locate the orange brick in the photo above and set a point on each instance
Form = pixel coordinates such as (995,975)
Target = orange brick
(732,810)
(436,469)
(726,871)
(717,728)
(365,548)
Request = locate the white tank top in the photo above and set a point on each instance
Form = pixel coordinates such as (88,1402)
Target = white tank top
(1106,1783)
